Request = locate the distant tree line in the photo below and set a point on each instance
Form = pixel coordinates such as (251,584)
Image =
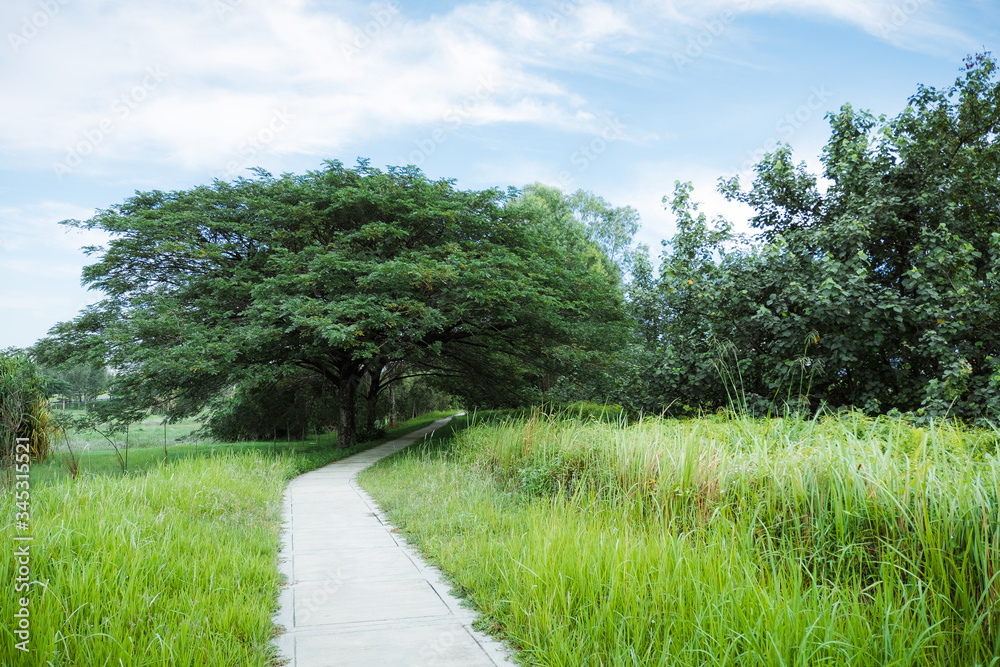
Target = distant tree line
(79,384)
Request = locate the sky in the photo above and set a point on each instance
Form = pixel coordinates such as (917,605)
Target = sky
(103,98)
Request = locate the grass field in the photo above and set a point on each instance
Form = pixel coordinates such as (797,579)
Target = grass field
(143,435)
(716,541)
(169,564)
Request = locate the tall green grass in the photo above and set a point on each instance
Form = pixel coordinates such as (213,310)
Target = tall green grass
(717,541)
(169,564)
(173,567)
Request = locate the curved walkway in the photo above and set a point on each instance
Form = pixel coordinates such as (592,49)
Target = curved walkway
(357,595)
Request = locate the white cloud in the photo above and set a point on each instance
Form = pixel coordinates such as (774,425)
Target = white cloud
(223,68)
(217,80)
(920,25)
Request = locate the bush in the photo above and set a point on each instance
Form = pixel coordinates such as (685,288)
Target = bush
(24,410)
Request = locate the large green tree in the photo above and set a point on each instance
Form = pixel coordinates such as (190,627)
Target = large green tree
(343,272)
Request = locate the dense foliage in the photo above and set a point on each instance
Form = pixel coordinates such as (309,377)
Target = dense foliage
(876,285)
(24,411)
(345,273)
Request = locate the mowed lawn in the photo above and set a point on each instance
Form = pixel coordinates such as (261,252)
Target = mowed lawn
(714,541)
(171,563)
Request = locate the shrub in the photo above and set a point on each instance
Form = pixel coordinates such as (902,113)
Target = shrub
(24,410)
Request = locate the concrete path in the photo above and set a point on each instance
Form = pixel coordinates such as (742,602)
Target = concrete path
(357,595)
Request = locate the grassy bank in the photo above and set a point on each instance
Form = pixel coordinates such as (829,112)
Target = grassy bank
(717,541)
(170,564)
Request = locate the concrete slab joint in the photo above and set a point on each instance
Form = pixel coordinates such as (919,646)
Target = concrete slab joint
(357,595)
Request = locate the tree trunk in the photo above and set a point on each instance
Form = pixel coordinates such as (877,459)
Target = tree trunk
(392,405)
(374,384)
(348,388)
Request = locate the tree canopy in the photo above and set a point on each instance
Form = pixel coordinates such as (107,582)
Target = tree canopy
(342,272)
(875,285)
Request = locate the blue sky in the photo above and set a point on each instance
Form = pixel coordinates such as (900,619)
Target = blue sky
(105,97)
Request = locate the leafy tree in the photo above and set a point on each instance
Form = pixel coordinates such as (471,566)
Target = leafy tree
(584,227)
(82,383)
(342,272)
(878,290)
(612,228)
(691,314)
(609,228)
